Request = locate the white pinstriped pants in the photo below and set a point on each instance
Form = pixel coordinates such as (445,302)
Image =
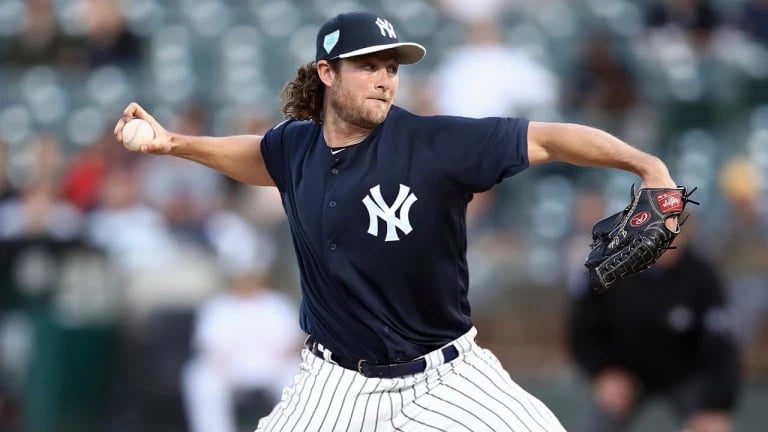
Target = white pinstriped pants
(472,393)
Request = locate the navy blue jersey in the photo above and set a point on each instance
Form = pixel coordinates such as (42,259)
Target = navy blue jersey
(379,228)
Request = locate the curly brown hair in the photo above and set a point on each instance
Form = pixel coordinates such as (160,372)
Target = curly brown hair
(303,97)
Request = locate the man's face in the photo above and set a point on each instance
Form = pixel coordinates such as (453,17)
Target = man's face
(364,88)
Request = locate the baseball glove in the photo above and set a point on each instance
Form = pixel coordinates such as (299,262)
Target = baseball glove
(631,240)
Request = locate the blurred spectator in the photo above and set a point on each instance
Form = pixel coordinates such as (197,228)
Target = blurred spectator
(133,234)
(261,206)
(697,18)
(107,39)
(235,242)
(86,173)
(754,20)
(39,210)
(43,160)
(686,73)
(246,346)
(6,188)
(486,77)
(662,333)
(589,207)
(41,40)
(184,192)
(601,91)
(39,213)
(158,270)
(474,12)
(743,246)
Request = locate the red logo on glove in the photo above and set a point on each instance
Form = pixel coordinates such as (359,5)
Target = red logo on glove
(640,219)
(670,201)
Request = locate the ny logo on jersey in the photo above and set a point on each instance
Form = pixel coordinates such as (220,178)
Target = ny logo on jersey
(378,208)
(386,28)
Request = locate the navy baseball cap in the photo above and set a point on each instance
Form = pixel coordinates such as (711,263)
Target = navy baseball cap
(357,33)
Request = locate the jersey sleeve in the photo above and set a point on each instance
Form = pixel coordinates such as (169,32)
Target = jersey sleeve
(273,152)
(479,153)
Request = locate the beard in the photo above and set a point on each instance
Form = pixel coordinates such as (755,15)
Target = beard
(353,112)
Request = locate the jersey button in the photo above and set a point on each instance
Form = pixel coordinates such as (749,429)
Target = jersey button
(334,171)
(332,204)
(332,246)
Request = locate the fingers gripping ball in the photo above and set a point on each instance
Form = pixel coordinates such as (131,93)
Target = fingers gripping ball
(630,241)
(136,133)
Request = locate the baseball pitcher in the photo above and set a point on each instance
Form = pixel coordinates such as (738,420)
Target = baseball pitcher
(376,199)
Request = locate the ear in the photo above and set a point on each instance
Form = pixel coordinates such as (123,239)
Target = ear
(325,72)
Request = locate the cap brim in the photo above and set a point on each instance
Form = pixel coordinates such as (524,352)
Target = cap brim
(408,52)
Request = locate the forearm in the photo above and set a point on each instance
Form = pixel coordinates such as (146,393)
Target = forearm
(238,157)
(587,146)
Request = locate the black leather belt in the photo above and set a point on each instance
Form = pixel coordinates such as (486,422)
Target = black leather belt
(379,370)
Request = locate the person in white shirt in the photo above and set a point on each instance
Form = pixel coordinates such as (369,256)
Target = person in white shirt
(245,341)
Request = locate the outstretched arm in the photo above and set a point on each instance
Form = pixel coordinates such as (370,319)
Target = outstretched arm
(238,157)
(587,146)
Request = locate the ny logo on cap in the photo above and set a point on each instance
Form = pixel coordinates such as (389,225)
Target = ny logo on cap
(386,28)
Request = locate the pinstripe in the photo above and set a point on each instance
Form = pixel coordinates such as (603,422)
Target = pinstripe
(440,378)
(453,420)
(513,386)
(537,405)
(378,410)
(367,400)
(296,394)
(309,397)
(547,417)
(463,409)
(346,398)
(392,412)
(352,414)
(503,391)
(471,393)
(402,401)
(326,379)
(425,409)
(484,406)
(524,395)
(333,397)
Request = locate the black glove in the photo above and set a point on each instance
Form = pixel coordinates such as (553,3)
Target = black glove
(631,240)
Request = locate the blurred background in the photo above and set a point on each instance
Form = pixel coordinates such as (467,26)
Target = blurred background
(135,288)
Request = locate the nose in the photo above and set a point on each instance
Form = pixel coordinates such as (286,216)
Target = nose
(383,80)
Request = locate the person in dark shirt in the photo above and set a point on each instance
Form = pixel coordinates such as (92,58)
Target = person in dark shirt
(754,20)
(697,18)
(662,333)
(376,198)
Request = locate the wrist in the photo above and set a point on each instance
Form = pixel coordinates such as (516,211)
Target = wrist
(655,174)
(177,144)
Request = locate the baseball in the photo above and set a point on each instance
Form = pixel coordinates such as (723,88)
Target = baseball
(136,133)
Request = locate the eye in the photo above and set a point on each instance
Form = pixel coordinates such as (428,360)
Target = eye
(392,69)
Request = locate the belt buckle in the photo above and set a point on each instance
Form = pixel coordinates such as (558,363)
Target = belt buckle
(360,366)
